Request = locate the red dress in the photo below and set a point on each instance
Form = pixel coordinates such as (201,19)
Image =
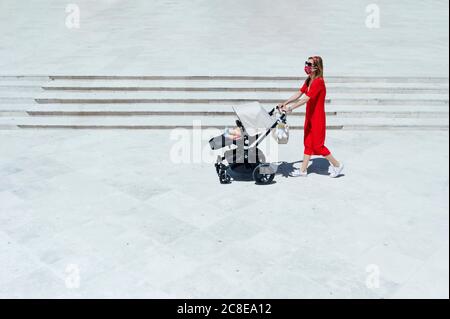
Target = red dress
(315,120)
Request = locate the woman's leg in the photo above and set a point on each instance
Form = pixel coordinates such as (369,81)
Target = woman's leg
(305,162)
(332,160)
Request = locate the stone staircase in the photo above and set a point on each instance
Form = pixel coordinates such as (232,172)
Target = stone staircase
(166,102)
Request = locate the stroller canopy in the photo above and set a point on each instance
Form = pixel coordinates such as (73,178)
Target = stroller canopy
(254,118)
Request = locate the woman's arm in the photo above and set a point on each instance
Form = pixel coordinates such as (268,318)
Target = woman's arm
(316,87)
(301,101)
(293,98)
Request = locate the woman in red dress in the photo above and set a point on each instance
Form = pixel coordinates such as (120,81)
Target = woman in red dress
(313,93)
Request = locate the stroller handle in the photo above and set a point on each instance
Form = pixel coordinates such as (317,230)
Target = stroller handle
(283,113)
(273,110)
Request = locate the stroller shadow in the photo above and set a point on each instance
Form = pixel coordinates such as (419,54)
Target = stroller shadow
(318,166)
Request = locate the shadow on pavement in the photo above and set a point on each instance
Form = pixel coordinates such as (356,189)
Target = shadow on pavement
(318,166)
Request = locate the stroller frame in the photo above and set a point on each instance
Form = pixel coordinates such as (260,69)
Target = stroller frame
(262,173)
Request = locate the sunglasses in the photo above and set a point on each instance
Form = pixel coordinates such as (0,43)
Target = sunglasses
(307,63)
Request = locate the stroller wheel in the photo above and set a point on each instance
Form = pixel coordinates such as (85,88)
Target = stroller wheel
(224,178)
(262,176)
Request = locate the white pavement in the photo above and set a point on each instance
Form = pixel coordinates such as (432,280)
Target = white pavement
(111,209)
(237,37)
(107,213)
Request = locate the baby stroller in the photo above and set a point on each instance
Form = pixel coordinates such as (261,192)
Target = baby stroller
(246,162)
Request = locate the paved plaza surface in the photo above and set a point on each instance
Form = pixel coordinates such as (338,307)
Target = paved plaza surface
(236,37)
(106,213)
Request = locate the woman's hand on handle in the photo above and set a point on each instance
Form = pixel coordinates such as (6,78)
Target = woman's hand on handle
(286,109)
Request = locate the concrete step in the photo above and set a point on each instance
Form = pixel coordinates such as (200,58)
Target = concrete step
(170,122)
(13,85)
(24,100)
(20,91)
(330,79)
(20,87)
(24,78)
(231,97)
(367,114)
(215,95)
(360,101)
(211,110)
(371,114)
(237,86)
(168,102)
(242,89)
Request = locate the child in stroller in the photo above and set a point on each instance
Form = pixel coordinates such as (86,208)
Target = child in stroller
(233,133)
